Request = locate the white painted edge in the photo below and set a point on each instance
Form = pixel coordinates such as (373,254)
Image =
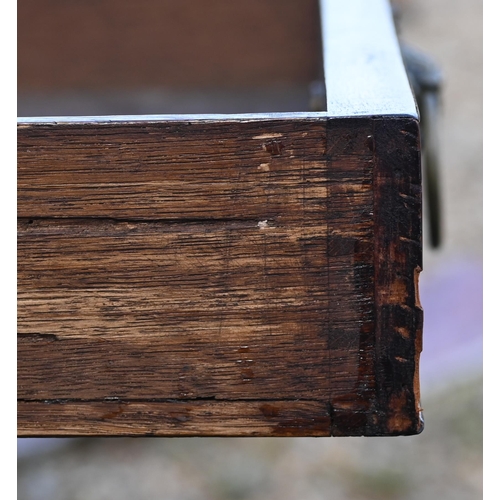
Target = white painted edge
(363,67)
(167,118)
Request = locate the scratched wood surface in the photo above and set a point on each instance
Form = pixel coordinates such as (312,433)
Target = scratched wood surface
(241,277)
(171,170)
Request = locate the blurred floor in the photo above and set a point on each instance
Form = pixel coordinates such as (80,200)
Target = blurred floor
(445,461)
(442,463)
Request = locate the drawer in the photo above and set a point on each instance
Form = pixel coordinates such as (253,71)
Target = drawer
(212,268)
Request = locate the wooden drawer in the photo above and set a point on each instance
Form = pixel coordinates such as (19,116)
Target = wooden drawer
(251,274)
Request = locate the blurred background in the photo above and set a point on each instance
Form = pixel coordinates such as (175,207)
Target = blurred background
(445,461)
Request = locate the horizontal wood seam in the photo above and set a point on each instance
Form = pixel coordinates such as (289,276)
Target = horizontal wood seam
(118,220)
(213,399)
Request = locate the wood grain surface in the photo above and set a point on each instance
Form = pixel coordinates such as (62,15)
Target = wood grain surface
(176,418)
(244,277)
(172,170)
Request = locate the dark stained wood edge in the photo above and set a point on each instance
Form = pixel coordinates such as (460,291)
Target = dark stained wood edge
(173,418)
(389,400)
(398,262)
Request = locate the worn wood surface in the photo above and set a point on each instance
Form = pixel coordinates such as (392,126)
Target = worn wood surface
(218,267)
(172,170)
(176,418)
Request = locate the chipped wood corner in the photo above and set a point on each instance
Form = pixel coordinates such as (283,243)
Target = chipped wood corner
(390,404)
(398,257)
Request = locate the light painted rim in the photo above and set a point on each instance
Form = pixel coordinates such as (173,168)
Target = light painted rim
(363,68)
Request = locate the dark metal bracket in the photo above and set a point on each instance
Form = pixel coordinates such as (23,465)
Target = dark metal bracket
(426,79)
